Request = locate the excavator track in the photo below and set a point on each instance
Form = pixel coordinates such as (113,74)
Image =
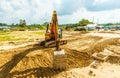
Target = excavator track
(51,44)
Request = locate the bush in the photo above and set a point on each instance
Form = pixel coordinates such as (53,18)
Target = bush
(36,27)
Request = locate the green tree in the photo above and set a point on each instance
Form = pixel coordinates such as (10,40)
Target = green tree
(3,24)
(109,24)
(22,23)
(84,22)
(12,24)
(45,23)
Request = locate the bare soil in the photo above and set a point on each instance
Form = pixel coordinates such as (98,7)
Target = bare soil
(34,61)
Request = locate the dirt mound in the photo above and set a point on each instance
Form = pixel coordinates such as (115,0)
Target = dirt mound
(37,62)
(77,59)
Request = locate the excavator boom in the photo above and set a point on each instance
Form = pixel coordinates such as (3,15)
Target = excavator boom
(54,26)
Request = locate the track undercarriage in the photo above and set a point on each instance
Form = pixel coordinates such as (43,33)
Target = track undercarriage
(52,43)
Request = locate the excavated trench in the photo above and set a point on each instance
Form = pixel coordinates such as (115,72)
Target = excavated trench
(115,57)
(36,62)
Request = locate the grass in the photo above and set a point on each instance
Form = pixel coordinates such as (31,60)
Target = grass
(4,32)
(19,35)
(39,33)
(9,38)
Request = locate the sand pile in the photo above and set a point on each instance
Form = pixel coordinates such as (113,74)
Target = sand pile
(36,62)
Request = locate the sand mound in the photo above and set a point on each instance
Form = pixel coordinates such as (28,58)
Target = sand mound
(36,62)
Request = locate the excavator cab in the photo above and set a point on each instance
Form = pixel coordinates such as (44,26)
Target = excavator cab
(47,35)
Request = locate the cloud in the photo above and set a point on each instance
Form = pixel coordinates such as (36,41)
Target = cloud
(5,6)
(68,7)
(34,11)
(108,16)
(69,11)
(100,2)
(101,5)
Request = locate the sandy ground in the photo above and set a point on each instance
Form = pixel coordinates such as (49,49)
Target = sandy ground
(104,70)
(105,35)
(35,61)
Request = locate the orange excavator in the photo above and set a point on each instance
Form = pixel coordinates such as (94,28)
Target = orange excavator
(53,34)
(53,38)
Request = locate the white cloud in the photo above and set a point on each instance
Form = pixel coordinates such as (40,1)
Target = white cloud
(5,6)
(97,2)
(58,2)
(101,16)
(39,11)
(34,11)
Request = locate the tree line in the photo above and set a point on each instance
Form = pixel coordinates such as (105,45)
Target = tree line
(22,25)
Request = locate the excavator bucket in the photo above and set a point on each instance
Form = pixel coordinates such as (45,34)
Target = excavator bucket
(59,59)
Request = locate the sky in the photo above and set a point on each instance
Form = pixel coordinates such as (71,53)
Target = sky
(69,11)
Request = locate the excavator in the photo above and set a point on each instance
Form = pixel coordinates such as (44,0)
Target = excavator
(53,34)
(53,38)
